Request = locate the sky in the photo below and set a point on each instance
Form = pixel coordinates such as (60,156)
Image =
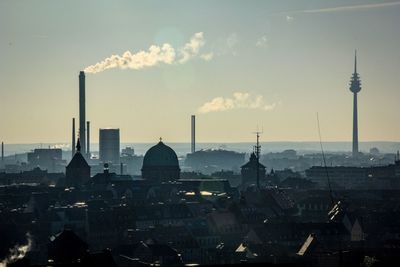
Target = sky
(238,65)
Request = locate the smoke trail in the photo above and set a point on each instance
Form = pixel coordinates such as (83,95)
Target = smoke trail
(154,56)
(17,252)
(239,100)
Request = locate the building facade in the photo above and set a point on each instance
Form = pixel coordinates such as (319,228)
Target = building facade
(109,146)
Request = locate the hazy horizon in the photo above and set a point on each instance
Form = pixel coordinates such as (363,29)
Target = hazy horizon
(182,148)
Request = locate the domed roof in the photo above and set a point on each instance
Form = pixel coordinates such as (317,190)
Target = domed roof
(160,155)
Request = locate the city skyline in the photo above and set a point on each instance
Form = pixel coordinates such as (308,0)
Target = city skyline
(294,62)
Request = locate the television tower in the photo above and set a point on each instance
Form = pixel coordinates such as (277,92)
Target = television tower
(355,87)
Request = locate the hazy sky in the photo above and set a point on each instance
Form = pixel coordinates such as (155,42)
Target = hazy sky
(236,64)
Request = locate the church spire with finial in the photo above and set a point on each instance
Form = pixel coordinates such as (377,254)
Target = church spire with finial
(78,146)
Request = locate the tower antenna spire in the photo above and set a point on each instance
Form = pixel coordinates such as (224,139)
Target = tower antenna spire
(355,61)
(78,146)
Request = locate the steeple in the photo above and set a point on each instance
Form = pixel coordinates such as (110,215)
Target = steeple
(78,146)
(77,172)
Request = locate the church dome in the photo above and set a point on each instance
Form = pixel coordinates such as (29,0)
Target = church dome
(160,163)
(160,155)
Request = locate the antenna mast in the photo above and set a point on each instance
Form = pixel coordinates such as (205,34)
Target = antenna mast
(324,160)
(257,152)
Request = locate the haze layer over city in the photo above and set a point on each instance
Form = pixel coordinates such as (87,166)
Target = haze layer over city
(199,133)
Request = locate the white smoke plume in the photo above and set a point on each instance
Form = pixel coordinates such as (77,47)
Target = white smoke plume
(238,101)
(192,48)
(17,252)
(154,56)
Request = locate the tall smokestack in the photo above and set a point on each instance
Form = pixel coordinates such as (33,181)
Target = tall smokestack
(2,151)
(88,139)
(73,136)
(82,112)
(193,133)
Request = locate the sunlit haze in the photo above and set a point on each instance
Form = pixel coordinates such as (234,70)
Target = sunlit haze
(237,65)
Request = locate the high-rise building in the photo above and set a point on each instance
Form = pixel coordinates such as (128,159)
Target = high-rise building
(109,145)
(355,87)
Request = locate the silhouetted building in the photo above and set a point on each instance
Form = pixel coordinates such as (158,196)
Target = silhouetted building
(212,160)
(109,145)
(249,171)
(386,176)
(78,170)
(128,151)
(108,177)
(160,163)
(346,177)
(34,176)
(46,159)
(67,248)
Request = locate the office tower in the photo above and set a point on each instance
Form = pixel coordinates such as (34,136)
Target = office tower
(109,145)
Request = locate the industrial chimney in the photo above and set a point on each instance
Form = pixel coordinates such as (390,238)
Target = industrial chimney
(88,140)
(73,137)
(2,151)
(193,133)
(82,112)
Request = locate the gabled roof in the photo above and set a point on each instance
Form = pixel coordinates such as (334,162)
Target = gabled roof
(67,239)
(78,161)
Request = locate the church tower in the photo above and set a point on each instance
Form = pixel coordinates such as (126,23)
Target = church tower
(78,170)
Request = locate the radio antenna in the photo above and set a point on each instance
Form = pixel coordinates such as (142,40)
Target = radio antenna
(324,160)
(257,152)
